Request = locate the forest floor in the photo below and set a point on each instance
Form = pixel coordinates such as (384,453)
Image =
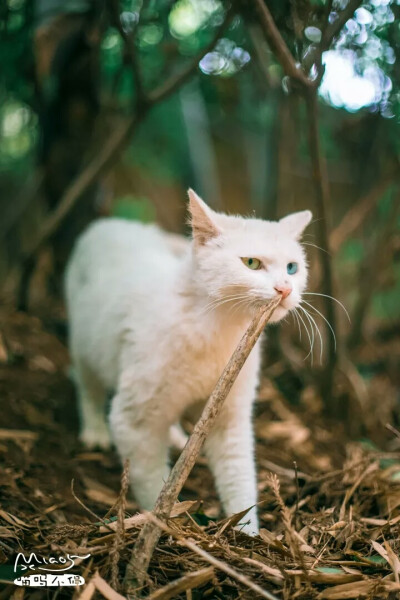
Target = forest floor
(329,501)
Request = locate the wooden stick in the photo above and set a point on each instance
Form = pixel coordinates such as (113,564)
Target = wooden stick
(142,552)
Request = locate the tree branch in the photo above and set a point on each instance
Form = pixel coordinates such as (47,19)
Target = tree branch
(149,535)
(117,142)
(129,41)
(278,44)
(321,186)
(329,34)
(320,176)
(357,214)
(176,80)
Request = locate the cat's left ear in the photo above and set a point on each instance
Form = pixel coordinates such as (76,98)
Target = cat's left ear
(296,223)
(202,219)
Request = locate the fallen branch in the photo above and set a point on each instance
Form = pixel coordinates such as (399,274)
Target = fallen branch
(99,584)
(187,582)
(140,519)
(139,561)
(118,542)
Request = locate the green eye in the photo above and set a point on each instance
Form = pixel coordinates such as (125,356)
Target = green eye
(252,263)
(292,268)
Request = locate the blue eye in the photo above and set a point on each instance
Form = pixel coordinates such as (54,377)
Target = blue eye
(292,268)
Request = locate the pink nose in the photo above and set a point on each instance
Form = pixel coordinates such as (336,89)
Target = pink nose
(285,290)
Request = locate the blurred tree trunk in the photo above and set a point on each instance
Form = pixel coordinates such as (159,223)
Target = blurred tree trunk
(66,47)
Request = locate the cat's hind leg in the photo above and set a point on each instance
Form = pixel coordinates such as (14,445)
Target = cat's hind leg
(92,405)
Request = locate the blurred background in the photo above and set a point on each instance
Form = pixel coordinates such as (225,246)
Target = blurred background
(117,107)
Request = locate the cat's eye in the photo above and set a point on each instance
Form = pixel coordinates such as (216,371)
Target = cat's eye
(292,268)
(252,263)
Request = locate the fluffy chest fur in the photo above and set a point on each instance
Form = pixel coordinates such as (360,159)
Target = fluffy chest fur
(191,348)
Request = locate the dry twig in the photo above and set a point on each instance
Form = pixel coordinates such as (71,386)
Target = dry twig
(120,529)
(219,564)
(187,582)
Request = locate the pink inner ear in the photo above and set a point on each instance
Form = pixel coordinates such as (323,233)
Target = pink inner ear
(201,219)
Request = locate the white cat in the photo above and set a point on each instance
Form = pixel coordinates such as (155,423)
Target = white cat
(155,318)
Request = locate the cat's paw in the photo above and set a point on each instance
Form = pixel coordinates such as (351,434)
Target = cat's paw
(95,438)
(249,523)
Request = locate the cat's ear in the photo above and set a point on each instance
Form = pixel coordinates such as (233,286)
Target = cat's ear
(295,223)
(201,219)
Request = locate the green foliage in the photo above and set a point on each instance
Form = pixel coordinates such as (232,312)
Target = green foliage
(18,121)
(386,301)
(134,209)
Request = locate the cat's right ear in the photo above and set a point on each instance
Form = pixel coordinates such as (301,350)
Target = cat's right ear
(201,219)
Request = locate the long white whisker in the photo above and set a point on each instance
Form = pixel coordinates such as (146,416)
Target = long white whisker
(309,337)
(315,246)
(332,298)
(312,326)
(219,301)
(326,320)
(240,303)
(295,317)
(310,317)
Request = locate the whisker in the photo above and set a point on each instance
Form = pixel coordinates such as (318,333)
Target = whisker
(312,326)
(238,304)
(332,298)
(308,335)
(315,246)
(311,318)
(216,303)
(295,317)
(326,320)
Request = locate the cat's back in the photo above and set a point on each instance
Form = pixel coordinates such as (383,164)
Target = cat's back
(117,252)
(113,242)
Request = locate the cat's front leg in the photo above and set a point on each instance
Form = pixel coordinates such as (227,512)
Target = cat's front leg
(141,434)
(230,451)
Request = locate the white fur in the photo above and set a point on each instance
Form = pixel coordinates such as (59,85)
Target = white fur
(142,326)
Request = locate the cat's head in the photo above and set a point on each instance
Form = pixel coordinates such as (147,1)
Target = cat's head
(243,262)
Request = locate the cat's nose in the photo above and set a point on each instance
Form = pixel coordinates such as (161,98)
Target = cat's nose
(284,289)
